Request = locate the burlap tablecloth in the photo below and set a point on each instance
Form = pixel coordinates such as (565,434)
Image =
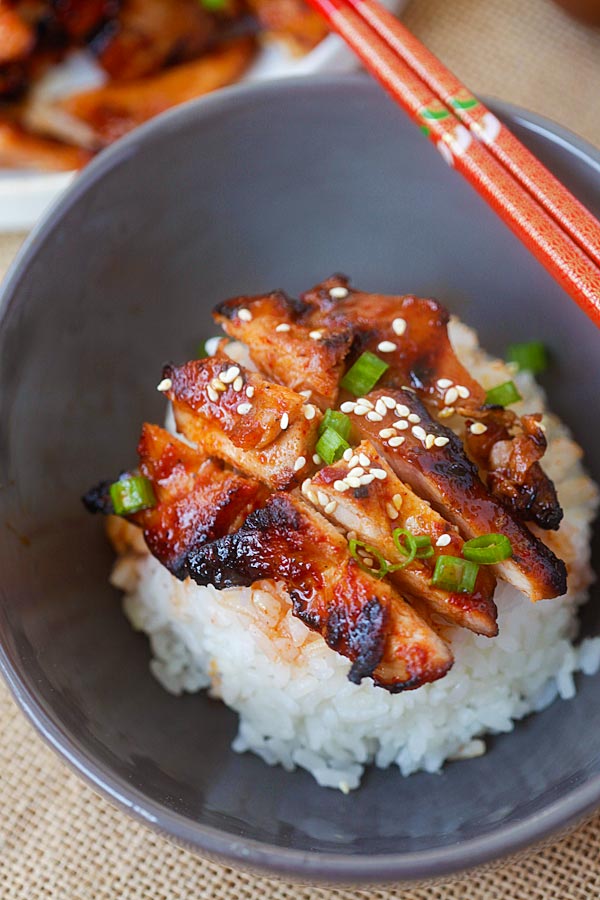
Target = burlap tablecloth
(57,838)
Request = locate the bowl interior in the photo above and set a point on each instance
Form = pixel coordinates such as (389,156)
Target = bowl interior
(254,189)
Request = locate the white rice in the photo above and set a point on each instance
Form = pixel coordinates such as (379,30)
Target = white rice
(295,704)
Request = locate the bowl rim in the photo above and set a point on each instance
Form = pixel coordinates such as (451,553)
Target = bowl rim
(207,840)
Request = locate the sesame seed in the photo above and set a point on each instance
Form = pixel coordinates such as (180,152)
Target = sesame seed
(323,498)
(387,433)
(352,481)
(419,432)
(429,441)
(463,391)
(397,500)
(373,416)
(165,385)
(315,335)
(340,486)
(338,293)
(391,511)
(344,787)
(317,459)
(250,391)
(451,396)
(217,385)
(211,345)
(389,402)
(283,327)
(441,441)
(348,454)
(399,326)
(361,410)
(244,314)
(353,460)
(401,425)
(284,422)
(386,347)
(300,463)
(307,394)
(368,560)
(230,375)
(367,479)
(381,408)
(364,460)
(309,412)
(305,485)
(348,406)
(312,496)
(443,540)
(362,401)
(238,384)
(380,474)
(446,412)
(356,472)
(478,428)
(396,441)
(414,418)
(444,383)
(212,394)
(331,507)
(402,410)
(244,408)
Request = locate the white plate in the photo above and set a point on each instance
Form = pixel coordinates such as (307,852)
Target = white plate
(25,195)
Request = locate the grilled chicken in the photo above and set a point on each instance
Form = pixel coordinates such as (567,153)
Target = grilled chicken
(16,36)
(430,458)
(262,428)
(284,347)
(111,111)
(147,34)
(291,20)
(361,618)
(197,499)
(19,149)
(364,497)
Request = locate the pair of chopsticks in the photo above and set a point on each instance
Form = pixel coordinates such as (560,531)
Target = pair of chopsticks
(545,216)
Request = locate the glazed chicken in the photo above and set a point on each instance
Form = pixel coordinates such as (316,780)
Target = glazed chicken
(363,543)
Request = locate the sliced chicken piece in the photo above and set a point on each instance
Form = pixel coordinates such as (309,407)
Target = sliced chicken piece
(514,474)
(147,34)
(112,111)
(283,347)
(292,21)
(264,429)
(364,497)
(16,36)
(197,499)
(21,150)
(361,618)
(431,459)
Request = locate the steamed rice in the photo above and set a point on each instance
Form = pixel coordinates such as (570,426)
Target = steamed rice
(295,704)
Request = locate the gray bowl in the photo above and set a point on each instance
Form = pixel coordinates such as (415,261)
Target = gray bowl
(250,189)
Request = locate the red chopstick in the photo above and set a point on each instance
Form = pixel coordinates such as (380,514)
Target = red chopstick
(572,215)
(543,234)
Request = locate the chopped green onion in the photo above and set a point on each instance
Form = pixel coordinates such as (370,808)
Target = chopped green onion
(364,374)
(531,357)
(488,549)
(132,494)
(213,5)
(424,548)
(503,394)
(384,567)
(331,446)
(337,421)
(452,573)
(410,550)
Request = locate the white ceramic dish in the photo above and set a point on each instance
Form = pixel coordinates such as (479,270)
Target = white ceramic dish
(25,195)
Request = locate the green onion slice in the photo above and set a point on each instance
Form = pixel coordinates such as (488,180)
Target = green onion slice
(452,573)
(424,548)
(338,421)
(531,357)
(503,394)
(488,549)
(383,567)
(408,548)
(132,494)
(331,446)
(364,374)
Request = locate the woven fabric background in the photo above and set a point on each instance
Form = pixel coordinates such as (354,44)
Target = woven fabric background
(58,840)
